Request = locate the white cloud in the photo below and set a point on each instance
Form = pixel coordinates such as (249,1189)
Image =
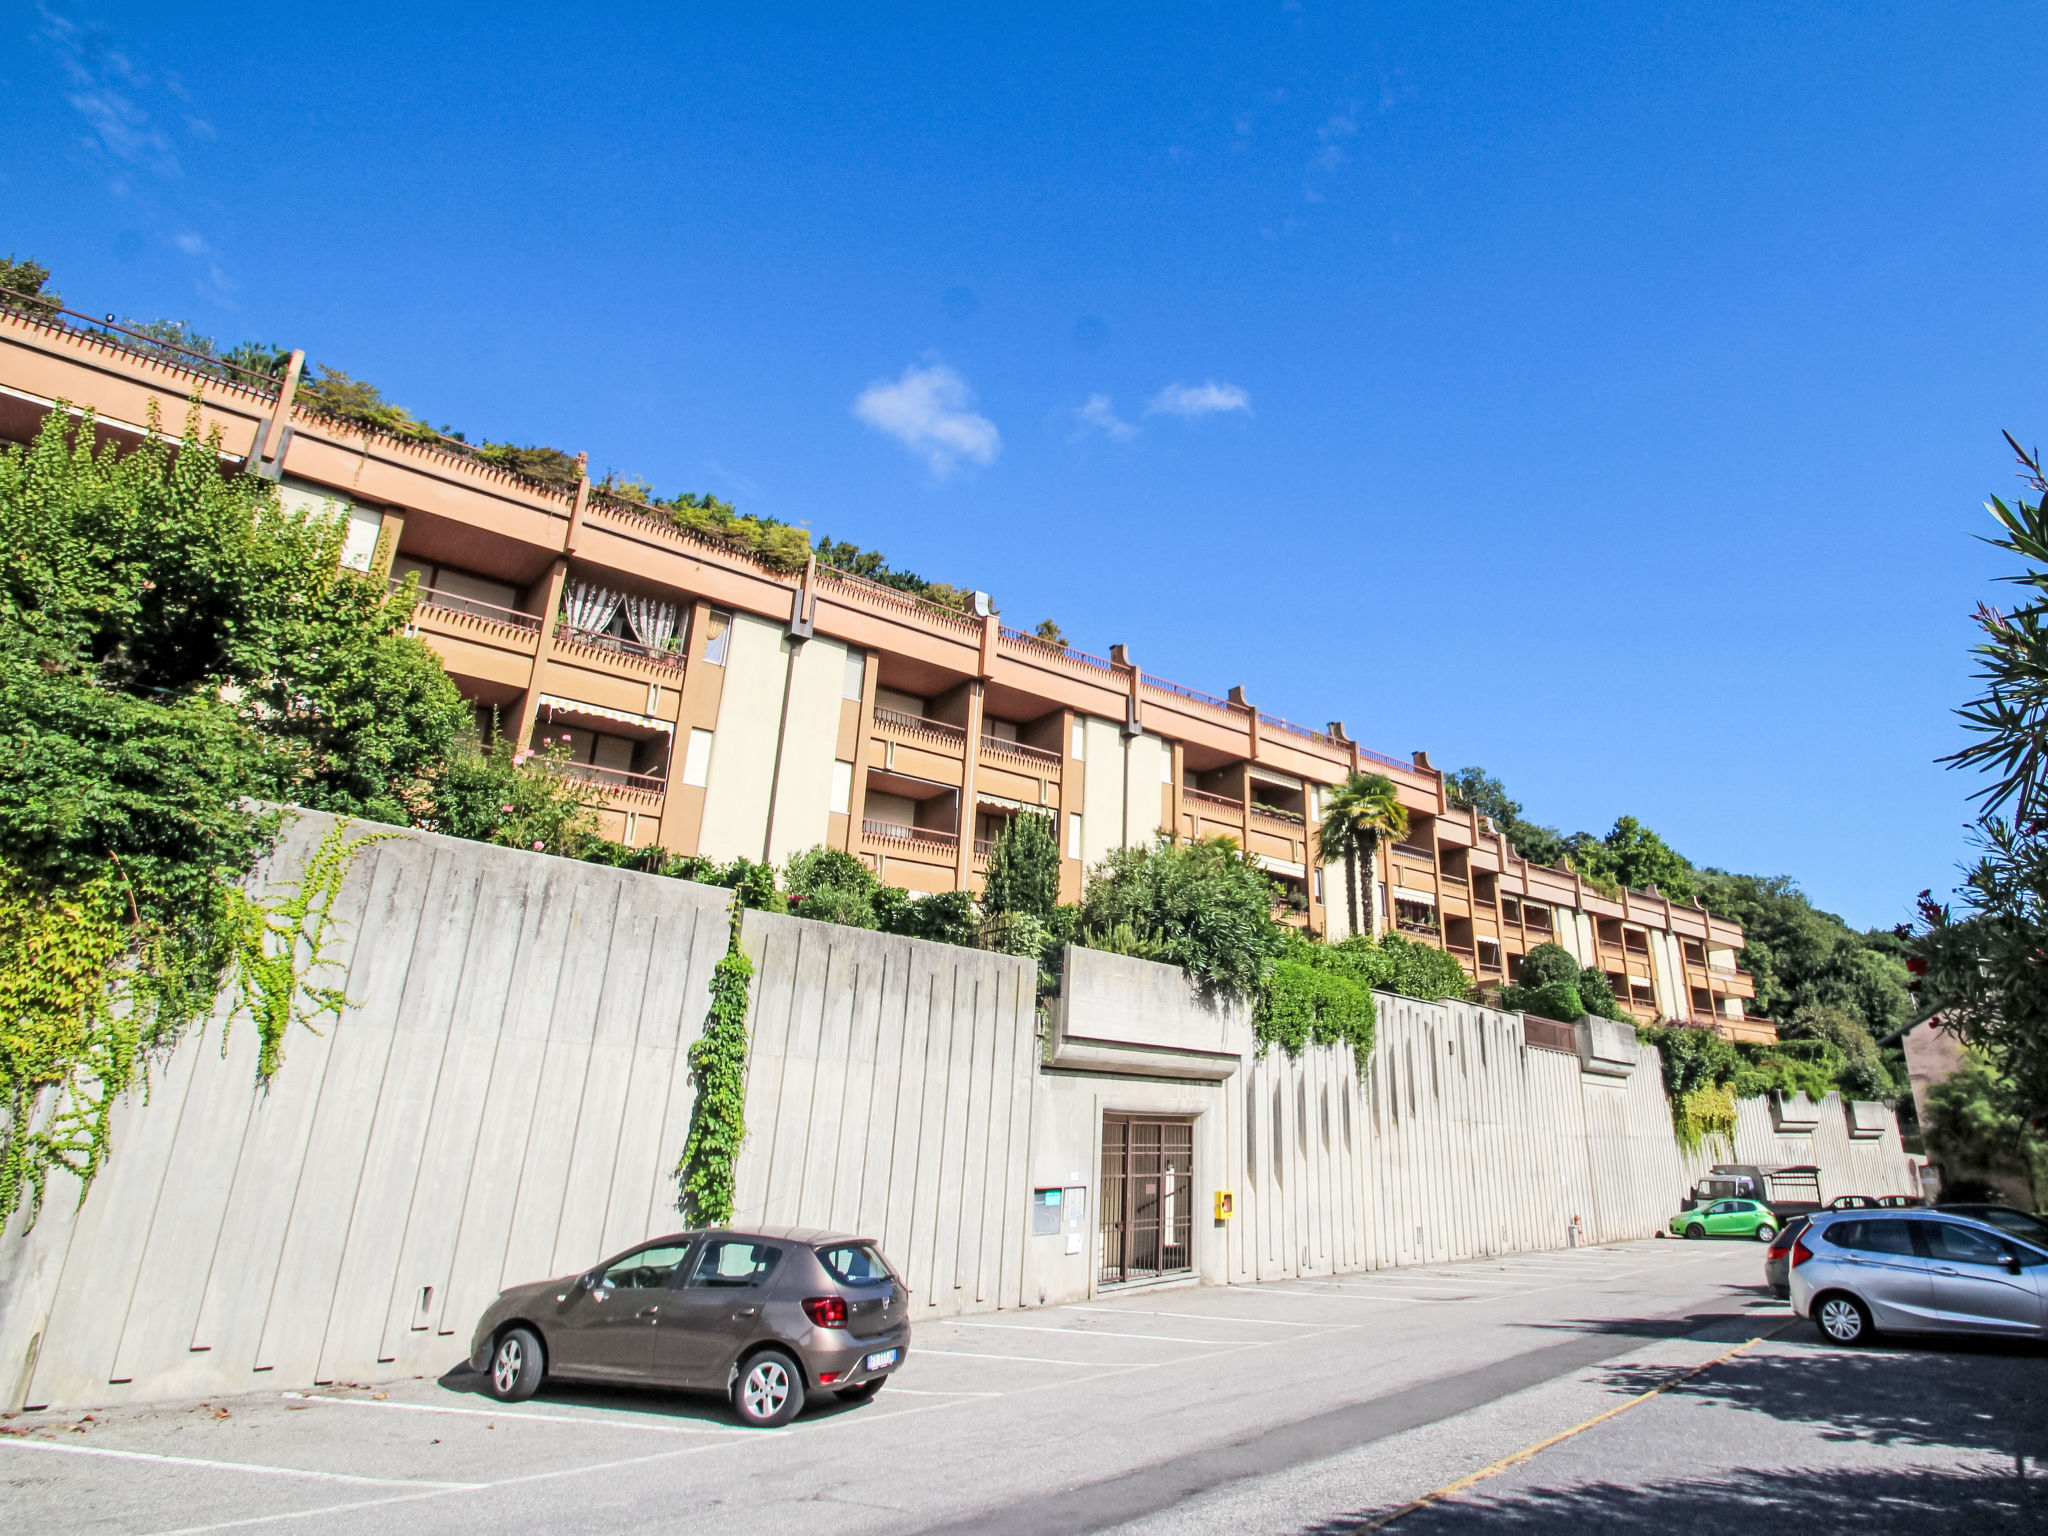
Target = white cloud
(927,411)
(1100,414)
(1209,399)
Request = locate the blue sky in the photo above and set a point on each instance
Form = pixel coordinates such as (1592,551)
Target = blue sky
(1602,394)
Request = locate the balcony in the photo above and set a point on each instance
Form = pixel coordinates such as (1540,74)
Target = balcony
(1274,813)
(633,788)
(1416,851)
(928,840)
(919,727)
(1215,807)
(1040,759)
(618,645)
(446,614)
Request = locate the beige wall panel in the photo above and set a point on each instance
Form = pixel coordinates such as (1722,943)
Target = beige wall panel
(1102,805)
(1145,757)
(803,793)
(742,772)
(916,763)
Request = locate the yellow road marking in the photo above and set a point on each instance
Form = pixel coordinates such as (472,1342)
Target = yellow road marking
(1529,1452)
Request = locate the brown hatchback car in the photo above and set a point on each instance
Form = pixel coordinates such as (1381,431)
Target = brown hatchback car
(765,1317)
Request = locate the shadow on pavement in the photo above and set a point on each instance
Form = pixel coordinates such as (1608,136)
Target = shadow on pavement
(1973,1394)
(1986,1503)
(668,1402)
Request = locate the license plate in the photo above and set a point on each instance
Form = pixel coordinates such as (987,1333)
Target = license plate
(882,1361)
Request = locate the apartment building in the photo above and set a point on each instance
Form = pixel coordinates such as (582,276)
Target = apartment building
(715,705)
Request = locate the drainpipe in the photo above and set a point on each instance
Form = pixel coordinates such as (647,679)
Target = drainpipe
(582,501)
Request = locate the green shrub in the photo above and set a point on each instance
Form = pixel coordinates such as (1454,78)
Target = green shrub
(1023,868)
(1207,905)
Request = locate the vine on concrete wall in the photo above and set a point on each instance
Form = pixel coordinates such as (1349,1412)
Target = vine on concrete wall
(268,938)
(89,994)
(718,1122)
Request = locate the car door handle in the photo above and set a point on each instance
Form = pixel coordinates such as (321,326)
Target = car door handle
(746,1312)
(647,1311)
(1944,1270)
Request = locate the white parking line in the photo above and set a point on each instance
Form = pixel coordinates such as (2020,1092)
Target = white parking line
(929,1392)
(511,1415)
(234,1466)
(1091,1333)
(1203,1317)
(968,1354)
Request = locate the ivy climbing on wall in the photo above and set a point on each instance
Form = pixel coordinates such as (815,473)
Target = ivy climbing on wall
(91,992)
(718,1066)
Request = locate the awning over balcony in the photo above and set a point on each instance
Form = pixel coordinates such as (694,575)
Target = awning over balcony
(553,708)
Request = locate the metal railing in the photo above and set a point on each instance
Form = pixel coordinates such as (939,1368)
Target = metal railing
(898,597)
(1416,851)
(1410,925)
(41,311)
(1301,730)
(1205,798)
(1194,694)
(1018,749)
(1549,1034)
(897,720)
(475,607)
(617,778)
(598,640)
(984,848)
(1450,879)
(1072,653)
(893,832)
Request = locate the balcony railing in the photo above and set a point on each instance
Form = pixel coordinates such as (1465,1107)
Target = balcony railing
(1040,756)
(1416,851)
(1202,797)
(1462,949)
(661,657)
(918,725)
(1412,925)
(1458,880)
(892,832)
(476,608)
(1274,813)
(1635,947)
(1051,650)
(1535,922)
(984,849)
(617,778)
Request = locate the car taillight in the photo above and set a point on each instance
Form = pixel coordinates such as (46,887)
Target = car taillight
(826,1311)
(1800,1252)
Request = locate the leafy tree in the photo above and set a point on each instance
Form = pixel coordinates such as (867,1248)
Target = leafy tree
(25,282)
(832,887)
(1487,795)
(1862,1073)
(1051,634)
(1207,903)
(944,917)
(1357,815)
(875,567)
(1979,1135)
(1632,855)
(516,799)
(1553,985)
(1023,869)
(1799,955)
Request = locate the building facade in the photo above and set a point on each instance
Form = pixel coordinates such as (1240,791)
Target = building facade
(716,705)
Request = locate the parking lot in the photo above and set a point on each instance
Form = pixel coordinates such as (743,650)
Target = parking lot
(1315,1405)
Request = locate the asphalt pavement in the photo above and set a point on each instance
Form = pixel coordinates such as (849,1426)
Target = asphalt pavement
(1299,1407)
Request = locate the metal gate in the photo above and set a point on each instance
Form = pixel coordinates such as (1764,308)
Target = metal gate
(1148,1198)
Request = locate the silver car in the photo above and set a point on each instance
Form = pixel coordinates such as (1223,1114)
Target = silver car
(766,1317)
(1855,1273)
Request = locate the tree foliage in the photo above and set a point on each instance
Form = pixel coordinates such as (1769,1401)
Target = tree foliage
(1023,869)
(174,646)
(1207,904)
(1358,815)
(1553,985)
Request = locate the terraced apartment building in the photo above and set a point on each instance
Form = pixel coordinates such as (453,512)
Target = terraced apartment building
(715,705)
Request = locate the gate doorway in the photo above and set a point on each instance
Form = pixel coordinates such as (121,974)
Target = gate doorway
(1148,1199)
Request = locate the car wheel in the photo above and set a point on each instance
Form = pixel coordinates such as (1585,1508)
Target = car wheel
(1842,1319)
(1695,1231)
(516,1366)
(768,1390)
(1765,1231)
(860,1391)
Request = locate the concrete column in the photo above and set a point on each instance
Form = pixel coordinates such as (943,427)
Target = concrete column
(529,706)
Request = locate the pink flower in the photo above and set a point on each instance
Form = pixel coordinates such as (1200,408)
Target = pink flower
(539,846)
(504,810)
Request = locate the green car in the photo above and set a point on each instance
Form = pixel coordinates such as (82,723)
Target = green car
(1727,1218)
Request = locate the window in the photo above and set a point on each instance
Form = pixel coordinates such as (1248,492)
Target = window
(1895,1237)
(365,525)
(855,1264)
(842,788)
(717,637)
(1958,1244)
(647,1270)
(1510,910)
(1074,835)
(697,759)
(733,1262)
(856,675)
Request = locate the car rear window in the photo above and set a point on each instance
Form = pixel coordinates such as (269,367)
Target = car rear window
(1872,1236)
(855,1264)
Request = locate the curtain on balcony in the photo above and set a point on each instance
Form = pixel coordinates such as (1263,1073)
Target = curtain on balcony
(589,607)
(653,621)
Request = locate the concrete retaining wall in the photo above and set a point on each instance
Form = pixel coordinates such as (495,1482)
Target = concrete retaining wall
(507,1095)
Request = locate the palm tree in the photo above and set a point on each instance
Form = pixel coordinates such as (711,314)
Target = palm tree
(1356,815)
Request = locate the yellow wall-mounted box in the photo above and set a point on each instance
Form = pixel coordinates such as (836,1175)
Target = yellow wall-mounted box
(1224,1202)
